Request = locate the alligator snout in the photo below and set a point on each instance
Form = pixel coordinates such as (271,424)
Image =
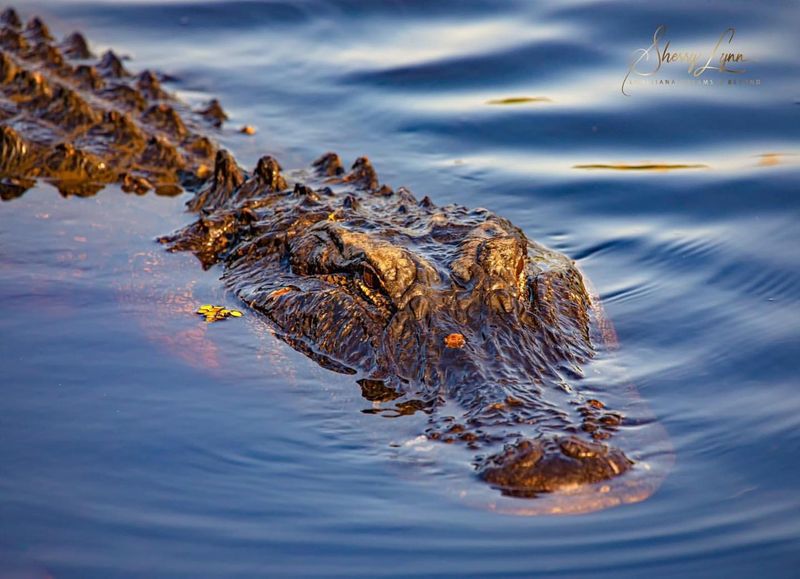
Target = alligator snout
(533,466)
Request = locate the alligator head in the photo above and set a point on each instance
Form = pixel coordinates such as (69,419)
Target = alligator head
(433,307)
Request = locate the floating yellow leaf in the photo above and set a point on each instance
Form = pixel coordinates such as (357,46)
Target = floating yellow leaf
(217,313)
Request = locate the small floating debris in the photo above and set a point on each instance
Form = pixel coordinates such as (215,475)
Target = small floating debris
(777,158)
(454,341)
(772,159)
(248,130)
(769,159)
(642,166)
(217,313)
(518,101)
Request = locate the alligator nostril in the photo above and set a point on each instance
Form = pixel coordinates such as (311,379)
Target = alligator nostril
(577,448)
(529,454)
(537,466)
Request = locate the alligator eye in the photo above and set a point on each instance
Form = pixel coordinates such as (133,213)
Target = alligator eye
(370,279)
(372,287)
(520,265)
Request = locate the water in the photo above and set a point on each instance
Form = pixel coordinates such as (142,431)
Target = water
(135,443)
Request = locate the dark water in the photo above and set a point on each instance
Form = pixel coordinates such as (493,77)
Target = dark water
(135,442)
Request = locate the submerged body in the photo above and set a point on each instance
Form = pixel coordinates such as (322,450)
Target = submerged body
(430,307)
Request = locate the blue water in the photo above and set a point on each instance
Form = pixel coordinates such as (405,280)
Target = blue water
(136,442)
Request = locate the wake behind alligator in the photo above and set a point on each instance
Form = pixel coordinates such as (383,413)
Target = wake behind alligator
(431,307)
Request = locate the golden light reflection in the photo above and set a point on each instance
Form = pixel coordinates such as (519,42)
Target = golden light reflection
(518,100)
(659,167)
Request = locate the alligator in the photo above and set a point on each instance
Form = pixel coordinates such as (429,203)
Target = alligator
(443,310)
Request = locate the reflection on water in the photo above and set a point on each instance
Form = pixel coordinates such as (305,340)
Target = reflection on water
(642,167)
(518,100)
(140,442)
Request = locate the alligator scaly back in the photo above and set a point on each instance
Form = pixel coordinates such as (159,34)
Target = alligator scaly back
(449,311)
(82,122)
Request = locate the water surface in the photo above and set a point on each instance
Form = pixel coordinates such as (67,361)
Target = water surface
(137,442)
